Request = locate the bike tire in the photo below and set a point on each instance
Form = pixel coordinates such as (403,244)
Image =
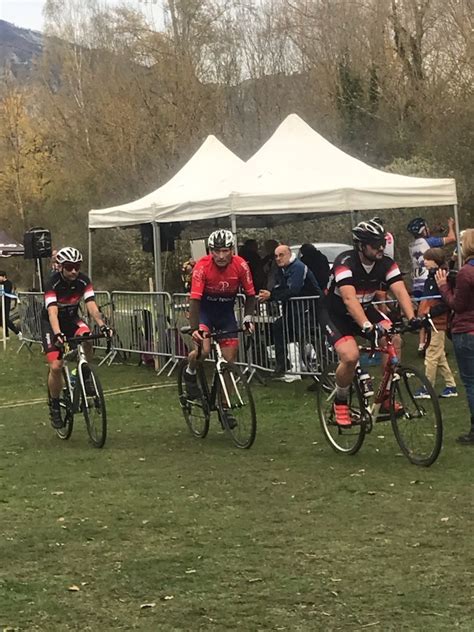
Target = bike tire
(195,412)
(343,440)
(93,407)
(242,429)
(418,429)
(66,407)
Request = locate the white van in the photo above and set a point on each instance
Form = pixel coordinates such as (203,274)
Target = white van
(328,248)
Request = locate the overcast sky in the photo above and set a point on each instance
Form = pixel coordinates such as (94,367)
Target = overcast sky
(28,13)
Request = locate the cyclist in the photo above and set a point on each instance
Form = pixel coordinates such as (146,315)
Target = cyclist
(216,280)
(356,277)
(60,318)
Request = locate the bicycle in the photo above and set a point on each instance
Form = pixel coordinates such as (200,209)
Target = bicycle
(84,395)
(229,394)
(417,425)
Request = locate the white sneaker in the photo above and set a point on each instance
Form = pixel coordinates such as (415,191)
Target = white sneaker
(288,377)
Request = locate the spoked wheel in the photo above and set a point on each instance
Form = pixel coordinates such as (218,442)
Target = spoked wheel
(236,406)
(418,424)
(93,406)
(65,406)
(346,440)
(195,411)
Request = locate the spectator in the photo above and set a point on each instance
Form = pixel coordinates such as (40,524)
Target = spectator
(7,288)
(187,273)
(293,279)
(317,263)
(249,252)
(270,267)
(54,263)
(418,227)
(461,299)
(435,358)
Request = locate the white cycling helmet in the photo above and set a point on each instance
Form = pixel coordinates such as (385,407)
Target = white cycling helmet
(68,255)
(221,239)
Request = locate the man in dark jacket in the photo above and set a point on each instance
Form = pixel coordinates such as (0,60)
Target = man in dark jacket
(293,279)
(7,289)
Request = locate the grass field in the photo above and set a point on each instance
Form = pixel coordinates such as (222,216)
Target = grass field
(160,531)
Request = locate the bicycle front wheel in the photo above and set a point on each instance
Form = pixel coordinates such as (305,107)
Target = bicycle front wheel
(345,440)
(93,406)
(236,406)
(417,423)
(195,411)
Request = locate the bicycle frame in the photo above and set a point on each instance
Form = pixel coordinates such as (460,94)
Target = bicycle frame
(218,377)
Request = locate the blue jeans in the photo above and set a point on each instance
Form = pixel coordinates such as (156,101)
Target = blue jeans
(464,349)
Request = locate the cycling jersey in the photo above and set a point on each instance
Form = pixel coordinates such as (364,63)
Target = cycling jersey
(417,249)
(348,269)
(66,295)
(216,288)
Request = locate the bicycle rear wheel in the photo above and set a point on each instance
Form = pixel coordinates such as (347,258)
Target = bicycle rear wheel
(66,408)
(237,408)
(93,406)
(418,427)
(195,411)
(345,440)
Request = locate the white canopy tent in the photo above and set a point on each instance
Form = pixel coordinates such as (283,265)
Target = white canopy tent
(294,175)
(297,171)
(206,172)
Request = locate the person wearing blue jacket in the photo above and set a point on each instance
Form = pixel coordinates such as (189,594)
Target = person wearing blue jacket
(293,278)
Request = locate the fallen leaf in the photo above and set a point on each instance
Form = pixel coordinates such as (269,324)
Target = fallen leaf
(252,580)
(445,519)
(190,571)
(57,493)
(147,605)
(168,597)
(74,588)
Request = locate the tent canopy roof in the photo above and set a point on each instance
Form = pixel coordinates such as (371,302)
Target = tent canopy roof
(9,246)
(205,173)
(297,171)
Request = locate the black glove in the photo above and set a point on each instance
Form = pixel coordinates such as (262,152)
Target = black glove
(374,333)
(59,340)
(105,329)
(415,324)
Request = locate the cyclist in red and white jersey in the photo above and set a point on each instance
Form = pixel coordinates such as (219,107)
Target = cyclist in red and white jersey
(356,277)
(60,318)
(216,280)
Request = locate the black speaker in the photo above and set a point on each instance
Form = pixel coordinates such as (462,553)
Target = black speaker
(169,232)
(37,243)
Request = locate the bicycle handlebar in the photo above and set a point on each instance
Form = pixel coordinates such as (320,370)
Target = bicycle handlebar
(214,334)
(89,337)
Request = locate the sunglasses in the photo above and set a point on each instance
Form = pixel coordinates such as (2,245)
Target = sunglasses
(378,244)
(71,266)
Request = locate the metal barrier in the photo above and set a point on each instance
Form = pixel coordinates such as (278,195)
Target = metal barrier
(143,324)
(30,306)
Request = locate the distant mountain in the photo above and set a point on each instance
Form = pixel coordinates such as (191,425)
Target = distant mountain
(18,48)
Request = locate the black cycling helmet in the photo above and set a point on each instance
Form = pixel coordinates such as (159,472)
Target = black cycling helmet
(416,226)
(221,239)
(368,232)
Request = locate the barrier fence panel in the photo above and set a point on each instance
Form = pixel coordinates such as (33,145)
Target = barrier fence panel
(30,306)
(142,323)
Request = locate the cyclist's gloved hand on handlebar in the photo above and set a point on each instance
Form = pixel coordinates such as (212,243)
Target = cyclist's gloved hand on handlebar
(373,332)
(248,325)
(415,324)
(106,330)
(59,339)
(198,336)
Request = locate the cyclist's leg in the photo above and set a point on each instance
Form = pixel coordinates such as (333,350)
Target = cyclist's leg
(340,331)
(82,329)
(53,357)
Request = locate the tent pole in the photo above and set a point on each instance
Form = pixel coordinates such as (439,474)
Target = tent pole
(233,227)
(458,240)
(157,254)
(89,254)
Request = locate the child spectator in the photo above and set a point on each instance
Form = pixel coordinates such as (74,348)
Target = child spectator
(435,358)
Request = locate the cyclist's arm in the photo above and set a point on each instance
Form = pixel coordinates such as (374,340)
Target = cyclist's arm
(249,307)
(194,306)
(94,312)
(353,306)
(401,294)
(451,236)
(53,315)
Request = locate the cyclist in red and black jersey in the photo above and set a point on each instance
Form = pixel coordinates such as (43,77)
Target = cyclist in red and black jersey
(216,280)
(356,277)
(60,318)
